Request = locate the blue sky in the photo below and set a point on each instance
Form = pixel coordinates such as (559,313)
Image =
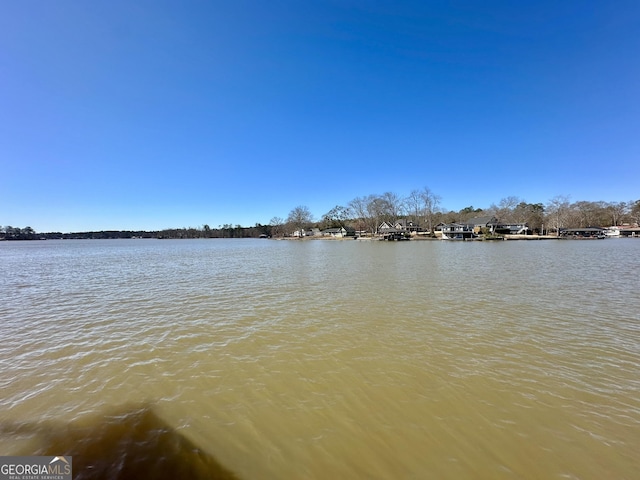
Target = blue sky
(155,114)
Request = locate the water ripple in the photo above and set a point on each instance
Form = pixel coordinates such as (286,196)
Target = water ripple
(339,359)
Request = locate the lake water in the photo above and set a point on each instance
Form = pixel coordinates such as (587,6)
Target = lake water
(264,359)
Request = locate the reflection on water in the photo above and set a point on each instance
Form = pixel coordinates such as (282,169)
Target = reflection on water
(312,359)
(123,444)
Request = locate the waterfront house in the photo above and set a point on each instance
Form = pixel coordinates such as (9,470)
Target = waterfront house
(457,231)
(512,228)
(469,229)
(399,226)
(408,226)
(385,227)
(311,232)
(475,226)
(478,223)
(335,232)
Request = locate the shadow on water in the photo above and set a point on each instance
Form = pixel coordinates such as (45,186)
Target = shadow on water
(125,444)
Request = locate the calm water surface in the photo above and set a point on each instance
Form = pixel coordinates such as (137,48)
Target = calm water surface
(324,359)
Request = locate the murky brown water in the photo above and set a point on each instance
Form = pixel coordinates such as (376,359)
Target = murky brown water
(323,359)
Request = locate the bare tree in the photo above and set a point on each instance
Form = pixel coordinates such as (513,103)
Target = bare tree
(617,210)
(558,210)
(393,205)
(300,217)
(505,210)
(387,207)
(430,206)
(358,208)
(634,211)
(586,213)
(376,212)
(414,205)
(276,224)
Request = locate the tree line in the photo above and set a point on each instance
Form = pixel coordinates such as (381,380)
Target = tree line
(224,231)
(366,213)
(422,208)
